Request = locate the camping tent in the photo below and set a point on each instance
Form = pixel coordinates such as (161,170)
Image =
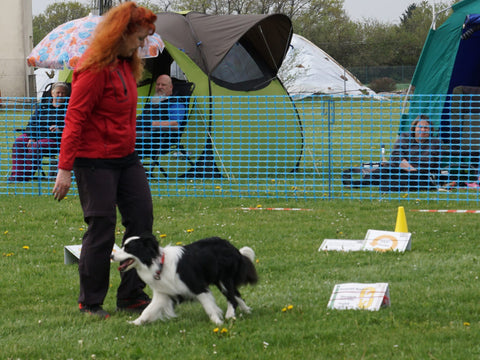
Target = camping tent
(308,70)
(226,57)
(447,82)
(446,60)
(447,65)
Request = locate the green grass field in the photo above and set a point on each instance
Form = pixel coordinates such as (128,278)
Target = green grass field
(433,287)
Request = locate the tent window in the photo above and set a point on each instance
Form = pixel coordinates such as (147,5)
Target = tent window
(241,70)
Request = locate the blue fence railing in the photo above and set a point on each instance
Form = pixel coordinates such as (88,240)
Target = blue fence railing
(316,147)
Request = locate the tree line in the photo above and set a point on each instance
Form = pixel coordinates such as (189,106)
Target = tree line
(323,22)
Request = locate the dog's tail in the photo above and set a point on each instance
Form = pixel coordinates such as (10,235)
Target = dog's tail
(249,273)
(248,253)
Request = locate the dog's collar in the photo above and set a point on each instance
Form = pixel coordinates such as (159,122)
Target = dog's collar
(159,262)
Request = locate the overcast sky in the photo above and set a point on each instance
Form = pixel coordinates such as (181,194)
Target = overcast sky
(382,10)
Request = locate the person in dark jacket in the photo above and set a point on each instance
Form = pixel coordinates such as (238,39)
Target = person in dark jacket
(42,135)
(414,160)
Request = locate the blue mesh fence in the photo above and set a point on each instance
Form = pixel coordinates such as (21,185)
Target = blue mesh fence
(317,147)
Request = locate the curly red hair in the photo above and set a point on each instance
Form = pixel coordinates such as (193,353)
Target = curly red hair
(121,20)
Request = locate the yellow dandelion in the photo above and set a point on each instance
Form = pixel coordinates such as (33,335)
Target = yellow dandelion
(273,180)
(26,247)
(218,187)
(5,232)
(216,330)
(284,309)
(224,331)
(259,206)
(163,235)
(178,243)
(289,307)
(189,230)
(466,324)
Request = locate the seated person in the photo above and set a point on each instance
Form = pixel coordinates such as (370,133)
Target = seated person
(415,158)
(162,119)
(42,135)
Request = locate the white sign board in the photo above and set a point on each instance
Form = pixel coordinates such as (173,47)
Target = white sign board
(378,240)
(375,240)
(341,245)
(71,253)
(357,296)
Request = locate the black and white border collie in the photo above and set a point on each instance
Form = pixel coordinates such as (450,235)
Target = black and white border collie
(185,272)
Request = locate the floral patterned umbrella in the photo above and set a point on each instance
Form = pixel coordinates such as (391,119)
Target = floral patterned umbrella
(64,45)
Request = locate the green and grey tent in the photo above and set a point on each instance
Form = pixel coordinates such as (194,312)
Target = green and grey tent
(228,57)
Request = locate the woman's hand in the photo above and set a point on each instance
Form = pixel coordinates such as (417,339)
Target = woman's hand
(62,184)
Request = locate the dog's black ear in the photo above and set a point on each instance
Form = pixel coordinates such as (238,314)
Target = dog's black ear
(151,243)
(148,235)
(146,248)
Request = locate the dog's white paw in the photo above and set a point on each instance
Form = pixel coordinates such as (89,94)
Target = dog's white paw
(230,317)
(230,314)
(217,321)
(243,307)
(137,322)
(247,310)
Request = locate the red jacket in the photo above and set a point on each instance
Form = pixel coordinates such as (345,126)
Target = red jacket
(101,115)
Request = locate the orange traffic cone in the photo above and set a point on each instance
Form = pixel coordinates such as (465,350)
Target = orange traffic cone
(401,225)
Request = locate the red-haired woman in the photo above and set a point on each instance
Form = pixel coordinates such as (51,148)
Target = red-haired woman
(98,144)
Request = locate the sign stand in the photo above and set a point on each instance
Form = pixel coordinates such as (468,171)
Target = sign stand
(358,296)
(375,240)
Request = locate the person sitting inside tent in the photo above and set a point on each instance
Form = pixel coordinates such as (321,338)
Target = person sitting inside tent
(414,162)
(160,124)
(42,135)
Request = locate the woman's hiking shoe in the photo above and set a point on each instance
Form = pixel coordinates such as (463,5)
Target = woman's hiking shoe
(95,310)
(133,305)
